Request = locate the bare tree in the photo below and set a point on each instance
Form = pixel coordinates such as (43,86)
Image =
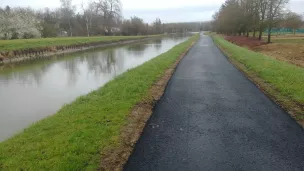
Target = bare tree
(275,12)
(263,4)
(157,25)
(111,11)
(67,12)
(243,16)
(293,21)
(88,15)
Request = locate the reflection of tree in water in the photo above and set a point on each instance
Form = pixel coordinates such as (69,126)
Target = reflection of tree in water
(101,62)
(72,67)
(179,36)
(157,43)
(137,49)
(32,75)
(96,62)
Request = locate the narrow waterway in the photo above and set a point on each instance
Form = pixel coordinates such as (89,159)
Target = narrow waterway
(32,91)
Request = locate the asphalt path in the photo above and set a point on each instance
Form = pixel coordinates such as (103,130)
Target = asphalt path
(212,117)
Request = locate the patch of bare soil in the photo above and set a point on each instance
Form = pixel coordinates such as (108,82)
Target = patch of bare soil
(289,52)
(292,53)
(114,159)
(249,42)
(288,36)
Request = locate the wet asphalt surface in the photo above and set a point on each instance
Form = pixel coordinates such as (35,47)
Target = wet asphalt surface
(212,117)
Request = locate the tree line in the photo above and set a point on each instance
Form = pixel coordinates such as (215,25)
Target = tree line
(241,17)
(99,17)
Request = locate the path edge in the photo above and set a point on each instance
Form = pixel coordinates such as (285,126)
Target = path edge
(289,106)
(114,159)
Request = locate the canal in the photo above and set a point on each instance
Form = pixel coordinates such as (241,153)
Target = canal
(34,90)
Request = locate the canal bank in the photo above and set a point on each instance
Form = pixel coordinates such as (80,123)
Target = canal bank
(33,53)
(33,90)
(76,136)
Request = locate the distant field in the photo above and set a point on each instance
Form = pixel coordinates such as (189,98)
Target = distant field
(9,45)
(287,48)
(288,40)
(279,36)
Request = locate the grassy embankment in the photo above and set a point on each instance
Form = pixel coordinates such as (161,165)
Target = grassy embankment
(282,81)
(9,45)
(287,48)
(76,136)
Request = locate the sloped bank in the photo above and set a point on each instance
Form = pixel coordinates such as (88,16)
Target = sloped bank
(101,126)
(31,53)
(281,81)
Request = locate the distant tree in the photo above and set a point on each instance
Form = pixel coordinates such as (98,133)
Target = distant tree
(157,25)
(50,21)
(137,26)
(126,27)
(274,15)
(111,12)
(88,13)
(243,16)
(134,26)
(19,23)
(4,23)
(67,13)
(293,21)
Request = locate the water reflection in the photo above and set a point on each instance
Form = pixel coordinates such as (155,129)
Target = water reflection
(157,44)
(32,91)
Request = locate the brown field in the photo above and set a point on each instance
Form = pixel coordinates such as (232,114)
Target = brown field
(244,41)
(289,52)
(288,48)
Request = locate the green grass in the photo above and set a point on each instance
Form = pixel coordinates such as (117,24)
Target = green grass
(9,45)
(288,79)
(74,138)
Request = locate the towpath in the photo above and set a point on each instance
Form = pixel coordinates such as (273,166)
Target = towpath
(212,117)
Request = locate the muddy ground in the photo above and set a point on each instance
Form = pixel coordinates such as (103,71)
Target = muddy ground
(288,52)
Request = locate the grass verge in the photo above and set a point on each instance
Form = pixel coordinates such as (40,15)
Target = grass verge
(77,136)
(9,45)
(281,81)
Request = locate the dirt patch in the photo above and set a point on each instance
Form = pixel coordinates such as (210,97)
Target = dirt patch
(288,52)
(114,159)
(249,42)
(294,109)
(292,53)
(287,36)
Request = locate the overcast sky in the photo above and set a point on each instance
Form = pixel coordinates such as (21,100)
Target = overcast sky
(166,10)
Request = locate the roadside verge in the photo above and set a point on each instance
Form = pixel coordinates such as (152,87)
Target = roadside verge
(281,81)
(101,126)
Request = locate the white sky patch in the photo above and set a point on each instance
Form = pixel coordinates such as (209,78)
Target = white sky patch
(166,10)
(165,4)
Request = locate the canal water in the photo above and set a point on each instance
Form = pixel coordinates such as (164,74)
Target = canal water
(34,90)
